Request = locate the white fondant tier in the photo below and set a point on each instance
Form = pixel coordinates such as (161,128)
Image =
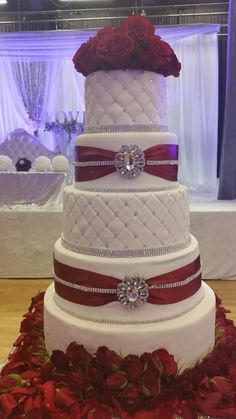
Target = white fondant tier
(147,267)
(120,221)
(114,142)
(189,337)
(125,97)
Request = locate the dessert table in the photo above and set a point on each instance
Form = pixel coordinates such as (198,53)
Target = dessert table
(38,188)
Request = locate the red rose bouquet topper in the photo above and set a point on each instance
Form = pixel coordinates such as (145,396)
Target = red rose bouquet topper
(133,45)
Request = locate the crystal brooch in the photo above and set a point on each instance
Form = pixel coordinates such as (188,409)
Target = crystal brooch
(132,292)
(130,161)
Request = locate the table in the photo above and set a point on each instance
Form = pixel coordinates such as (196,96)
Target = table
(38,188)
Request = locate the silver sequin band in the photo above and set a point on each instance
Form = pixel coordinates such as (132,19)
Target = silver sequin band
(112,163)
(128,322)
(96,129)
(122,190)
(125,253)
(114,290)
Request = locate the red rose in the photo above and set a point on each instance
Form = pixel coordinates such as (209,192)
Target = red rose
(232,374)
(130,399)
(171,67)
(213,405)
(64,398)
(168,362)
(105,31)
(151,382)
(133,367)
(7,404)
(149,56)
(139,28)
(49,392)
(75,380)
(114,50)
(221,384)
(108,359)
(59,360)
(9,382)
(100,412)
(145,414)
(95,375)
(188,409)
(84,59)
(78,356)
(116,381)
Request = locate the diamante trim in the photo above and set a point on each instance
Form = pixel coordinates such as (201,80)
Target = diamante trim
(112,163)
(129,253)
(83,288)
(129,322)
(122,190)
(114,290)
(94,163)
(125,128)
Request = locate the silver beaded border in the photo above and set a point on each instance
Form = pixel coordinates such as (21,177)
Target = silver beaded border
(125,253)
(83,288)
(96,129)
(114,290)
(128,190)
(112,163)
(129,322)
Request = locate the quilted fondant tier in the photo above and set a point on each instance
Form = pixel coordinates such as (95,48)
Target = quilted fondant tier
(114,142)
(123,98)
(125,221)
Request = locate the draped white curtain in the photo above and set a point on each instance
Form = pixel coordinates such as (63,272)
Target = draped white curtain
(38,81)
(193,110)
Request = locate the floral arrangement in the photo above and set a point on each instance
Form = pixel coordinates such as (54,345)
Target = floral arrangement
(69,126)
(133,45)
(79,385)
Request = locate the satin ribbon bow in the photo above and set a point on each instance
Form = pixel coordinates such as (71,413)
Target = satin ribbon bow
(87,288)
(94,169)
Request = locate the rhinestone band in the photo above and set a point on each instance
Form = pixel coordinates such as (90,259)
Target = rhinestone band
(94,163)
(112,163)
(161,162)
(177,284)
(96,129)
(83,288)
(129,190)
(125,253)
(129,322)
(114,290)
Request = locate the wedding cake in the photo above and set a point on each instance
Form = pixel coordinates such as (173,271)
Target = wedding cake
(127,271)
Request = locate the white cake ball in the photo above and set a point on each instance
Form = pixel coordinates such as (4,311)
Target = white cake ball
(6,164)
(42,164)
(60,164)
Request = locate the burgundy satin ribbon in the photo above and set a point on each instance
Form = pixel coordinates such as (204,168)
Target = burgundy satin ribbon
(92,279)
(157,152)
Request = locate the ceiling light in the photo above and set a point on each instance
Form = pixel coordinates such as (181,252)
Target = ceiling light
(3,1)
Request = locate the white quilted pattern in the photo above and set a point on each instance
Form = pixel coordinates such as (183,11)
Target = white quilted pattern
(125,97)
(121,221)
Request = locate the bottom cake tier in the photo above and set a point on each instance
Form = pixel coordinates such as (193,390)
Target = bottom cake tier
(189,337)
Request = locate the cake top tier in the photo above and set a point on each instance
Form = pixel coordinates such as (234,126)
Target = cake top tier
(125,100)
(132,45)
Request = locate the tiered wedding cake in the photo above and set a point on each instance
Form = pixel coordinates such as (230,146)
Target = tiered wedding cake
(127,270)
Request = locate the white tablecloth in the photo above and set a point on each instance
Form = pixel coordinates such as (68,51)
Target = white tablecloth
(35,188)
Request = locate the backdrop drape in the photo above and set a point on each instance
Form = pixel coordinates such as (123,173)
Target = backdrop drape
(227,186)
(192,99)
